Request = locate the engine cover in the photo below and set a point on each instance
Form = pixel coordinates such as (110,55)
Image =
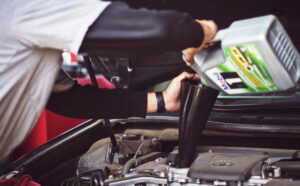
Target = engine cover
(223,166)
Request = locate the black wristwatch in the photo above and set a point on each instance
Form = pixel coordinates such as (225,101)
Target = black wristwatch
(160,102)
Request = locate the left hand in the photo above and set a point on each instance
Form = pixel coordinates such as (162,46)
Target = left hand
(172,93)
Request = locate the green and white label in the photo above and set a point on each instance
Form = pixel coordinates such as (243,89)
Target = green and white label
(244,71)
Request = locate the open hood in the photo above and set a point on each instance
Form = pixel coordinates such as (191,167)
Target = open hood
(248,140)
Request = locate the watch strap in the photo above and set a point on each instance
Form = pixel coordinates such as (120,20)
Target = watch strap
(160,102)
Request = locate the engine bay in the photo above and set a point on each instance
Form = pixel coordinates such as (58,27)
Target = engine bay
(148,157)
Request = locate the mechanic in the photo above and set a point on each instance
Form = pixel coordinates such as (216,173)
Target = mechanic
(35,32)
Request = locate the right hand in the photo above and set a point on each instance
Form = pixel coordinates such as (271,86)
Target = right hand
(209,29)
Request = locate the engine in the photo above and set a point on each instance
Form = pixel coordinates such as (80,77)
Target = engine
(143,160)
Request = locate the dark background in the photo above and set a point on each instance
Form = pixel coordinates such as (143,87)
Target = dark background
(224,12)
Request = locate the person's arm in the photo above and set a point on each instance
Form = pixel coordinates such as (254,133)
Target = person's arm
(92,102)
(71,99)
(120,28)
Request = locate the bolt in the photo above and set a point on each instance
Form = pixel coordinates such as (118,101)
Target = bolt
(162,174)
(182,180)
(154,139)
(157,160)
(142,138)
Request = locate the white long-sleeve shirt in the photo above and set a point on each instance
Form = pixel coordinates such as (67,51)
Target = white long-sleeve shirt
(33,34)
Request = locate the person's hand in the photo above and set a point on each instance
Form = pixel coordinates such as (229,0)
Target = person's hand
(209,29)
(171,94)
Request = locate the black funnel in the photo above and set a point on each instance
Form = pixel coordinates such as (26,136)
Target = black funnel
(197,102)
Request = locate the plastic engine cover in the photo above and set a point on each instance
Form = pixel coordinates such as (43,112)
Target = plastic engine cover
(221,166)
